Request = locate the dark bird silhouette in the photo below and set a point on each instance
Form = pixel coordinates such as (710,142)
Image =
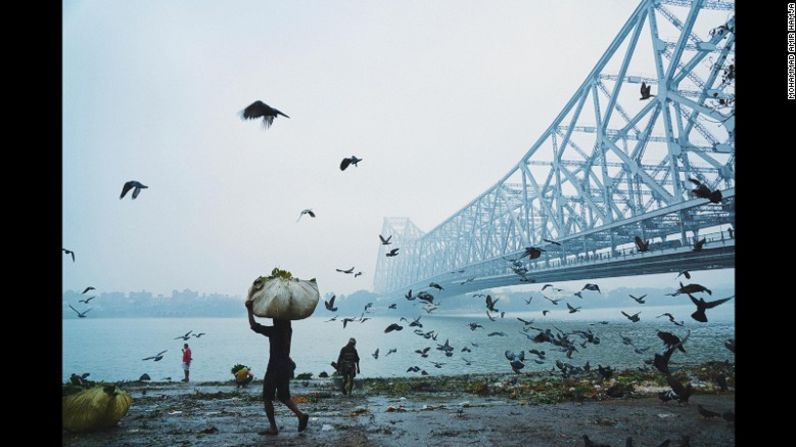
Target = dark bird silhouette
(572,310)
(546,286)
(376,354)
(634,318)
(436,286)
(357,274)
(385,241)
(516,360)
(349,271)
(391,351)
(409,296)
(579,295)
(86,300)
(199,334)
(640,299)
(423,352)
(671,341)
(699,244)
(488,315)
(308,212)
(425,296)
(552,242)
(592,287)
(184,337)
(157,357)
(684,273)
(589,443)
(671,318)
(703,192)
(69,252)
(135,186)
(392,306)
(528,301)
(87,289)
(730,344)
(393,252)
(661,361)
(642,245)
(702,306)
(330,304)
(474,326)
(259,109)
(347,320)
(689,289)
(353,160)
(525,322)
(707,413)
(413,369)
(393,327)
(683,392)
(645,91)
(532,252)
(80,314)
(499,333)
(545,312)
(490,303)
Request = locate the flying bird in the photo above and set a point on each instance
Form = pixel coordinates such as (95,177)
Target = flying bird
(634,318)
(69,252)
(671,318)
(645,91)
(259,109)
(385,241)
(703,192)
(698,244)
(592,287)
(532,252)
(642,245)
(376,354)
(199,334)
(86,300)
(330,304)
(516,360)
(393,327)
(135,186)
(689,289)
(87,289)
(80,314)
(349,271)
(393,252)
(392,306)
(156,357)
(308,212)
(684,273)
(490,303)
(545,312)
(409,296)
(528,301)
(498,333)
(552,242)
(572,310)
(353,160)
(391,351)
(357,274)
(184,337)
(474,326)
(436,286)
(640,299)
(702,306)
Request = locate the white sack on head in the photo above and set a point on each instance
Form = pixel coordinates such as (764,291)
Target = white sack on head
(284,297)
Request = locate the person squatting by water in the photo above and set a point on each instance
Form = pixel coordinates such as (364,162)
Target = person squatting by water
(186,361)
(348,365)
(277,375)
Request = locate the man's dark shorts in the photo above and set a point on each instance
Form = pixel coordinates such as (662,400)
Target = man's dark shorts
(277,380)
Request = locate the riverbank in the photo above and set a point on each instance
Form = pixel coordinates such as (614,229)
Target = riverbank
(538,409)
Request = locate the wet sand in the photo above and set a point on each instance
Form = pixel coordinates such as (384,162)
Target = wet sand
(500,410)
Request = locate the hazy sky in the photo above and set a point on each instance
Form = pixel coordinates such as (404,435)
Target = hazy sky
(440,98)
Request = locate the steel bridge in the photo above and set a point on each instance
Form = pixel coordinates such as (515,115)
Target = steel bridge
(609,168)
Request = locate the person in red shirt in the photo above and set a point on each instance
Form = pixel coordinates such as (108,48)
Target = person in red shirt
(186,360)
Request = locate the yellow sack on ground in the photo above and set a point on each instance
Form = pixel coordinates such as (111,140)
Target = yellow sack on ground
(95,408)
(284,297)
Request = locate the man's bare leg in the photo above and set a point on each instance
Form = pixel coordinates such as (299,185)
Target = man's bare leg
(302,417)
(269,412)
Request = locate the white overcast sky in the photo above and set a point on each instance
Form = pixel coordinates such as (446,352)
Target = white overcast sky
(440,99)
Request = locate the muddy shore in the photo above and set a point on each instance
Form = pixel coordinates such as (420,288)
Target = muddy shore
(539,409)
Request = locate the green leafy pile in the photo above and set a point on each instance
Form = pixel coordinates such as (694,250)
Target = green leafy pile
(238,367)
